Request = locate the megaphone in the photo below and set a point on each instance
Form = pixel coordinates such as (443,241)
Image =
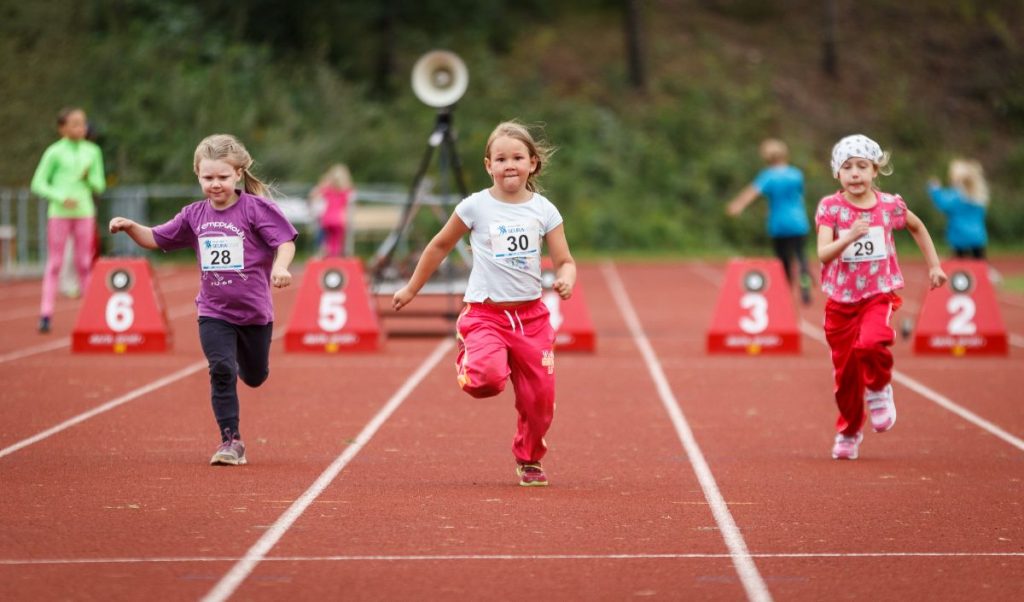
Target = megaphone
(439,78)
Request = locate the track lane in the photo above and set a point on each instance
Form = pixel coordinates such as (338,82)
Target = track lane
(933,484)
(432,504)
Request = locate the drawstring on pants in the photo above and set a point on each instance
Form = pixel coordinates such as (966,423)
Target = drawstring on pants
(513,322)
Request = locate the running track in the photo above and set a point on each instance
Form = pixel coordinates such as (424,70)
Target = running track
(675,475)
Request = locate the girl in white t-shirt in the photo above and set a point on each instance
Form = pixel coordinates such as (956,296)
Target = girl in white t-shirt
(504,332)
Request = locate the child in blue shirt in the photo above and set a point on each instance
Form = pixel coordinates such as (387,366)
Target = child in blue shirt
(783,185)
(965,203)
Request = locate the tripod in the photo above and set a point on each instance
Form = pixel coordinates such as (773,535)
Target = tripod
(443,140)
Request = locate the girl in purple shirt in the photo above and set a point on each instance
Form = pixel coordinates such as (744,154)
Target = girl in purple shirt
(244,244)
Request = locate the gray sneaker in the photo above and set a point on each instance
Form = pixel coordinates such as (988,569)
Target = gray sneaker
(229,453)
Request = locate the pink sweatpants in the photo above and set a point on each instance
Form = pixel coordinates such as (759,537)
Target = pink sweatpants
(860,336)
(498,343)
(334,240)
(57,230)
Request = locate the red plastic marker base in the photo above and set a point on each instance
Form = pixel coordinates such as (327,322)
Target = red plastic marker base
(333,310)
(754,314)
(574,331)
(961,318)
(122,310)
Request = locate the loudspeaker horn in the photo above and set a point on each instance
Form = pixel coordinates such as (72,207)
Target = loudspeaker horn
(439,78)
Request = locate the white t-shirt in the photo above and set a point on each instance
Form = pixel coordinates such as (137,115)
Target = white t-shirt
(506,241)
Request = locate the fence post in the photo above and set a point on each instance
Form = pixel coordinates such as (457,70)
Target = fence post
(23,225)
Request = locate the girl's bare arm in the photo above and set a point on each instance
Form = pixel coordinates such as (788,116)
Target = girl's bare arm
(142,235)
(436,250)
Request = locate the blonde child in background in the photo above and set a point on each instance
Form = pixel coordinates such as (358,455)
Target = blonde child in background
(69,173)
(860,276)
(783,185)
(965,203)
(331,198)
(504,331)
(244,244)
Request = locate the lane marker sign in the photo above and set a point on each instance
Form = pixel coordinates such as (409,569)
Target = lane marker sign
(122,310)
(961,318)
(574,331)
(332,312)
(755,313)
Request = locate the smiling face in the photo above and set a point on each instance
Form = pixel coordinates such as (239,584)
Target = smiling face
(510,164)
(218,179)
(856,175)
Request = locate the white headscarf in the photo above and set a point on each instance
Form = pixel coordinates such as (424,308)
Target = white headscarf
(857,145)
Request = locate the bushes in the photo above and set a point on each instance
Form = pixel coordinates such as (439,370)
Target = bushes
(648,171)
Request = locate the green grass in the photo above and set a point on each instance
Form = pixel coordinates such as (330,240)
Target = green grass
(1014,284)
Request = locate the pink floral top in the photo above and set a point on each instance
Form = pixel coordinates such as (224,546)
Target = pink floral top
(868,266)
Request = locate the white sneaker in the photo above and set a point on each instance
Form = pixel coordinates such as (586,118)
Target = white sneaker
(882,408)
(846,448)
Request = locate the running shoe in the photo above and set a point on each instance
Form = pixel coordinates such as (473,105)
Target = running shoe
(882,408)
(531,475)
(846,448)
(44,324)
(231,452)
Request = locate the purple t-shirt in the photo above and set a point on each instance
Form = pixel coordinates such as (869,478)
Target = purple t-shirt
(235,249)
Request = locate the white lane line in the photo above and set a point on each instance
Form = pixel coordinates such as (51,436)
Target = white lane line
(113,403)
(258,552)
(35,349)
(452,557)
(942,401)
(1016,340)
(751,579)
(931,395)
(177,312)
(106,407)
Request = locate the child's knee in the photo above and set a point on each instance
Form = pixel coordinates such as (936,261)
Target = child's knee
(483,383)
(254,379)
(223,370)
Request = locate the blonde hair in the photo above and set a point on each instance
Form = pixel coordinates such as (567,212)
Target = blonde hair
(774,151)
(969,177)
(227,148)
(885,164)
(538,148)
(337,176)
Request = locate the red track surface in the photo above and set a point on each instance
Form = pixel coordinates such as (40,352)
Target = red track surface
(121,504)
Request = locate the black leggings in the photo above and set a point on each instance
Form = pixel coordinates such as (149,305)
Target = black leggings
(788,247)
(973,252)
(233,352)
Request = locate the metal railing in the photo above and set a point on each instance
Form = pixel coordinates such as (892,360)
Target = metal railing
(23,247)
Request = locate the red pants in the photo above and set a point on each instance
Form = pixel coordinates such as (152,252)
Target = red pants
(499,343)
(860,336)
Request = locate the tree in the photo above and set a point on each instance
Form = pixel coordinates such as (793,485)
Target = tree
(634,45)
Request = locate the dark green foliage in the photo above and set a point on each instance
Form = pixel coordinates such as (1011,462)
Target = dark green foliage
(307,83)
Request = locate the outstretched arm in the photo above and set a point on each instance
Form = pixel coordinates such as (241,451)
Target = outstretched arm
(142,235)
(936,276)
(437,249)
(742,200)
(565,265)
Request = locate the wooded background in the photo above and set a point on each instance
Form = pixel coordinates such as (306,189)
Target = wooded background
(656,106)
